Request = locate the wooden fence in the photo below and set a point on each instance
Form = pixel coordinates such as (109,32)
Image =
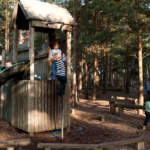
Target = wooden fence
(11,144)
(139,143)
(32,106)
(129,103)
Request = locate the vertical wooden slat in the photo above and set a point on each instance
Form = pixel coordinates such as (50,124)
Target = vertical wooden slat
(49,103)
(52,105)
(42,107)
(31,116)
(36,105)
(39,104)
(26,107)
(46,104)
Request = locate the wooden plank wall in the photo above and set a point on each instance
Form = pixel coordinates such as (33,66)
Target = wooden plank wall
(32,110)
(44,112)
(42,69)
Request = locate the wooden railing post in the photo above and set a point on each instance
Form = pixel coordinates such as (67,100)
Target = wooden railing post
(47,148)
(10,148)
(140,146)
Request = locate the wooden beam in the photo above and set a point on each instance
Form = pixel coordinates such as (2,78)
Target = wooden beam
(14,16)
(51,25)
(31,51)
(15,143)
(10,148)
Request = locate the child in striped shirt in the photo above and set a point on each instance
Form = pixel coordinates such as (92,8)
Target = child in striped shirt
(60,73)
(54,51)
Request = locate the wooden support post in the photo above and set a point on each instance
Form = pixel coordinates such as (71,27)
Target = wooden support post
(140,146)
(98,148)
(47,148)
(15,45)
(68,86)
(117,109)
(3,57)
(31,52)
(120,111)
(10,148)
(112,106)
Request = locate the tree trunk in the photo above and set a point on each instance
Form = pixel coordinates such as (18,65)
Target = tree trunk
(110,71)
(95,78)
(140,63)
(6,27)
(74,86)
(80,75)
(86,81)
(104,72)
(127,72)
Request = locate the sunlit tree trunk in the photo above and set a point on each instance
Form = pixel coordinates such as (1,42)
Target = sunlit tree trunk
(80,74)
(6,28)
(86,81)
(140,63)
(95,78)
(74,84)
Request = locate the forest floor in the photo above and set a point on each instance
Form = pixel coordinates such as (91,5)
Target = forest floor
(87,126)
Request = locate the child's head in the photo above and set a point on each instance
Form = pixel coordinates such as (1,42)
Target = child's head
(56,45)
(56,56)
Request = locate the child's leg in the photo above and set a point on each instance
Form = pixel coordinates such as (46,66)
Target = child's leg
(52,75)
(147,118)
(62,85)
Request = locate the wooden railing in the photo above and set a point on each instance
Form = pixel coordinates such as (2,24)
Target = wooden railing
(12,144)
(117,108)
(139,143)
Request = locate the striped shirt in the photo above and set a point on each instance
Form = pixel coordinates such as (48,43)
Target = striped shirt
(60,67)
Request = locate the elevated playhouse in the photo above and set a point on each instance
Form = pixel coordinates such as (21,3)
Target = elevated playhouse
(28,104)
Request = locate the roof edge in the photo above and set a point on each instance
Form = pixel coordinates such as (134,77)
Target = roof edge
(24,12)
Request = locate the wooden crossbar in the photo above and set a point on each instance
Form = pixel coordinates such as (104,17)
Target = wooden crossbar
(139,141)
(129,106)
(11,144)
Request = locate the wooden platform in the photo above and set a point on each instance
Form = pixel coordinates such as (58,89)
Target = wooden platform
(32,106)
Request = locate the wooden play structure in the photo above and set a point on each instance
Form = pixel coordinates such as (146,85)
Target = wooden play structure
(28,104)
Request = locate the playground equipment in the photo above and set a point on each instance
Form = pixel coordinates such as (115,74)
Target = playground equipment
(28,104)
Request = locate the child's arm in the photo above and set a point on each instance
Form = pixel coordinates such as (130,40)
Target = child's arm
(51,57)
(63,57)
